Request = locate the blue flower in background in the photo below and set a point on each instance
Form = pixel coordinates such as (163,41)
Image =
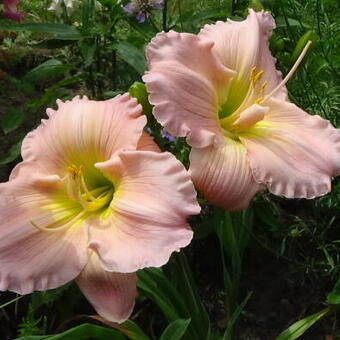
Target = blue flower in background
(141,8)
(166,135)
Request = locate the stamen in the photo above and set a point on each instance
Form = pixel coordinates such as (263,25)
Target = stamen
(84,186)
(59,224)
(252,73)
(291,72)
(258,76)
(255,76)
(91,200)
(100,202)
(260,99)
(77,190)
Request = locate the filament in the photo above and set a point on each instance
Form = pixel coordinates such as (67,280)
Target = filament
(291,72)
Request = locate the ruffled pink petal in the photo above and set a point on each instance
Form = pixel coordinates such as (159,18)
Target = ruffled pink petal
(187,84)
(241,45)
(223,175)
(265,60)
(31,259)
(111,294)
(153,198)
(83,132)
(146,143)
(294,154)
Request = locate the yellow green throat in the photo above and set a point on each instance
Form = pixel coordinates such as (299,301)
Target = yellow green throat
(80,201)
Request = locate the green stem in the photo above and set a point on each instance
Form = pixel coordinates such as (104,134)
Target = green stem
(180,13)
(165,9)
(232,231)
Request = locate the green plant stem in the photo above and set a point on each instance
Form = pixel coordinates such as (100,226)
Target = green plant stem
(180,13)
(233,234)
(164,17)
(90,82)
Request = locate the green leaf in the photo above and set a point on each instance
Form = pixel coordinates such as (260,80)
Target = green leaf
(83,332)
(146,28)
(13,153)
(53,43)
(256,5)
(27,88)
(196,18)
(88,14)
(11,120)
(47,297)
(10,302)
(132,55)
(233,319)
(60,31)
(200,322)
(175,330)
(309,35)
(333,297)
(281,22)
(158,288)
(298,328)
(56,91)
(108,2)
(138,90)
(46,70)
(33,337)
(88,48)
(132,331)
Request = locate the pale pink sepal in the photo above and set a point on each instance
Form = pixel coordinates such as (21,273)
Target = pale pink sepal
(111,294)
(31,259)
(187,84)
(223,175)
(242,45)
(294,154)
(154,196)
(83,132)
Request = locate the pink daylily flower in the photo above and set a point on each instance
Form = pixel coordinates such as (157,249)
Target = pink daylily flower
(220,89)
(93,200)
(11,11)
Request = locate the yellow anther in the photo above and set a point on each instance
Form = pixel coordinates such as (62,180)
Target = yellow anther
(253,73)
(262,88)
(73,171)
(258,76)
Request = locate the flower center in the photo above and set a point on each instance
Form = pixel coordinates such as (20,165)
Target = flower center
(248,112)
(90,200)
(77,189)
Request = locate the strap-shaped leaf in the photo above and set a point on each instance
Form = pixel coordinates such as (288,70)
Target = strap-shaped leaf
(298,328)
(60,31)
(175,330)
